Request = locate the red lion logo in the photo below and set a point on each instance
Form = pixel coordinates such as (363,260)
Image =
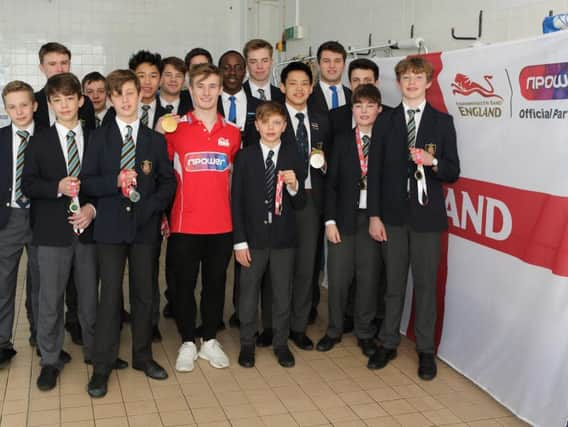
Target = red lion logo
(464,86)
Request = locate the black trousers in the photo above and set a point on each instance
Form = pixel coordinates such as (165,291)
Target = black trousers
(187,253)
(141,265)
(265,296)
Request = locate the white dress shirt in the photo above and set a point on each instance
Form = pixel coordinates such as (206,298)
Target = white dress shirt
(417,115)
(254,90)
(62,132)
(292,112)
(123,131)
(240,102)
(15,145)
(151,112)
(174,104)
(329,94)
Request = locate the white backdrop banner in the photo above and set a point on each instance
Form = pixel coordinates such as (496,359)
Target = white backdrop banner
(503,282)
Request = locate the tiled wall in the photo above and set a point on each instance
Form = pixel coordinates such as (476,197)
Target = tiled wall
(102,34)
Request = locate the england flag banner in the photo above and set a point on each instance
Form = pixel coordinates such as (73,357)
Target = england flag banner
(503,279)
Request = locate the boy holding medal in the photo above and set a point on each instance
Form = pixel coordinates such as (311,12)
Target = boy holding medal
(268,183)
(61,219)
(128,171)
(413,153)
(352,253)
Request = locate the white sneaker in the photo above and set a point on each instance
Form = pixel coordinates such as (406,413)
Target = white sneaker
(187,354)
(211,350)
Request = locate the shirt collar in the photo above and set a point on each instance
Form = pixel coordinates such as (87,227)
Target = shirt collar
(292,111)
(63,131)
(420,107)
(151,104)
(174,103)
(254,88)
(325,86)
(240,95)
(30,129)
(122,127)
(265,149)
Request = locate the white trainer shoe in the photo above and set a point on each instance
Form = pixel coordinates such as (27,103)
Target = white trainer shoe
(187,354)
(212,351)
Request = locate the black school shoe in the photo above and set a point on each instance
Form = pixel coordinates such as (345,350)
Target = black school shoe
(427,369)
(367,345)
(6,355)
(246,356)
(284,356)
(301,340)
(152,370)
(327,343)
(47,379)
(98,385)
(381,358)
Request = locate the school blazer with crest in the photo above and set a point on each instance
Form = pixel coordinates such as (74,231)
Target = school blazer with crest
(387,195)
(44,167)
(319,130)
(248,196)
(119,220)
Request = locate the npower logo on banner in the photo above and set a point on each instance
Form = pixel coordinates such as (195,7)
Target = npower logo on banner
(544,81)
(485,102)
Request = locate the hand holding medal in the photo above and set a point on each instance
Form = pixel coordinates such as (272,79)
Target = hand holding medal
(421,158)
(168,123)
(127,182)
(74,205)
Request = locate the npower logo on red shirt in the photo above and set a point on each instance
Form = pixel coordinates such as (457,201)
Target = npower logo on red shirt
(205,161)
(526,224)
(544,81)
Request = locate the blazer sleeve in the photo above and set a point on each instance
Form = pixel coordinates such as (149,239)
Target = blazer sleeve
(33,184)
(166,181)
(375,166)
(93,182)
(237,195)
(448,160)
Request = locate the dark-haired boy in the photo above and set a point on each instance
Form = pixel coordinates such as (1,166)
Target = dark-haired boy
(172,98)
(239,108)
(413,153)
(195,56)
(61,219)
(267,185)
(15,231)
(329,93)
(55,58)
(258,57)
(310,131)
(94,88)
(352,253)
(126,156)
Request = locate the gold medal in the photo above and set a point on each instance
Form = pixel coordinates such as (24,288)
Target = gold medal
(169,124)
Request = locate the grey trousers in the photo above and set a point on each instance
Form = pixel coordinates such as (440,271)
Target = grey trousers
(13,238)
(420,251)
(280,264)
(356,256)
(54,268)
(308,222)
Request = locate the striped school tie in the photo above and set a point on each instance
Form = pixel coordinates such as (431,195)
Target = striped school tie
(128,152)
(73,161)
(366,144)
(411,128)
(262,94)
(269,179)
(21,200)
(144,118)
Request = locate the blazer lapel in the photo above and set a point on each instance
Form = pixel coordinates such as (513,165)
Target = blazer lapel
(57,150)
(314,129)
(424,128)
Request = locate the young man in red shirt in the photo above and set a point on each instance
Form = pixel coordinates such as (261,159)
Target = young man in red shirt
(202,147)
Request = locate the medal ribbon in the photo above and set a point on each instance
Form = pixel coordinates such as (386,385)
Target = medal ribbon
(278,195)
(362,159)
(420,177)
